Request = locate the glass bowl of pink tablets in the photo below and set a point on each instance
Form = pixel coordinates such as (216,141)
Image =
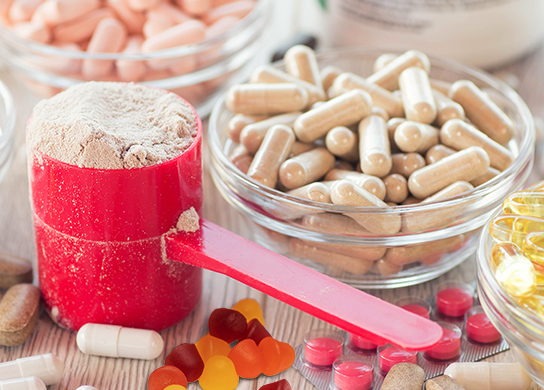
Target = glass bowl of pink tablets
(511,273)
(376,169)
(7,129)
(193,48)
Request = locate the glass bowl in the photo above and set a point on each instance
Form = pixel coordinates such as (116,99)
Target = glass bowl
(204,70)
(321,236)
(523,329)
(7,130)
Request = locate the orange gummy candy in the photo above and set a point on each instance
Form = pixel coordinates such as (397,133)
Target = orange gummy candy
(278,356)
(165,376)
(250,309)
(247,358)
(209,346)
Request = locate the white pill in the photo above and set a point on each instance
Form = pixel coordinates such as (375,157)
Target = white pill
(489,376)
(86,388)
(116,341)
(31,383)
(47,367)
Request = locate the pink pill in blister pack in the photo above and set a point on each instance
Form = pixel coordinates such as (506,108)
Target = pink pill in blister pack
(467,335)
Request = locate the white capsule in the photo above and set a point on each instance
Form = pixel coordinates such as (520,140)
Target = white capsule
(489,376)
(47,367)
(31,383)
(86,388)
(116,341)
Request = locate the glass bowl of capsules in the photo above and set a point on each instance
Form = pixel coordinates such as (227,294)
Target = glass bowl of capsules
(195,52)
(347,183)
(511,275)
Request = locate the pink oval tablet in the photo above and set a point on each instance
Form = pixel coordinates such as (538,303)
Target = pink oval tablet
(361,342)
(322,351)
(479,328)
(454,301)
(394,355)
(417,309)
(448,347)
(353,375)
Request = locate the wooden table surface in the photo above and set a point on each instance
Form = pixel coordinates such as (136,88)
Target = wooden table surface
(284,322)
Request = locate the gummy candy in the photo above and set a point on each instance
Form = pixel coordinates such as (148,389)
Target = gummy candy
(187,358)
(278,356)
(165,376)
(219,374)
(255,331)
(247,358)
(279,385)
(250,309)
(227,324)
(209,346)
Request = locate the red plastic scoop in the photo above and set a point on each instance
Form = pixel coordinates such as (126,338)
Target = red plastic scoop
(220,250)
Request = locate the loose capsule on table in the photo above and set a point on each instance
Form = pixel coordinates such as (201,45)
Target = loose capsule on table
(117,341)
(31,383)
(484,375)
(47,367)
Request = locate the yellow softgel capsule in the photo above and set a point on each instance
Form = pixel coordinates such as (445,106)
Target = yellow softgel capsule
(529,203)
(514,272)
(514,228)
(533,304)
(250,309)
(533,246)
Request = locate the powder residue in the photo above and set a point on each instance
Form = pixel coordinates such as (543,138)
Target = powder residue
(106,125)
(188,221)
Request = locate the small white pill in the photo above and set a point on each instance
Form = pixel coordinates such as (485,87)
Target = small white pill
(47,367)
(116,341)
(31,383)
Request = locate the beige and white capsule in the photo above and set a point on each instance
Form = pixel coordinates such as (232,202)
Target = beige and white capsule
(408,254)
(370,183)
(446,108)
(330,222)
(252,135)
(343,143)
(270,75)
(396,188)
(489,376)
(466,165)
(263,99)
(328,75)
(317,192)
(417,96)
(300,62)
(459,135)
(381,97)
(374,148)
(306,168)
(415,137)
(437,153)
(406,163)
(346,193)
(273,151)
(482,111)
(382,61)
(343,110)
(241,158)
(388,76)
(237,123)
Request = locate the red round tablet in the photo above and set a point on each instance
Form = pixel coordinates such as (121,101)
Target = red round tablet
(361,342)
(394,355)
(479,328)
(322,351)
(448,347)
(454,301)
(352,375)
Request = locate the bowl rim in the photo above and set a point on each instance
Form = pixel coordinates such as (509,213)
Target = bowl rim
(8,37)
(7,126)
(524,150)
(509,308)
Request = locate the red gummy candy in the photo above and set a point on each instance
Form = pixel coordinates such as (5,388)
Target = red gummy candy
(255,331)
(279,385)
(227,324)
(187,359)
